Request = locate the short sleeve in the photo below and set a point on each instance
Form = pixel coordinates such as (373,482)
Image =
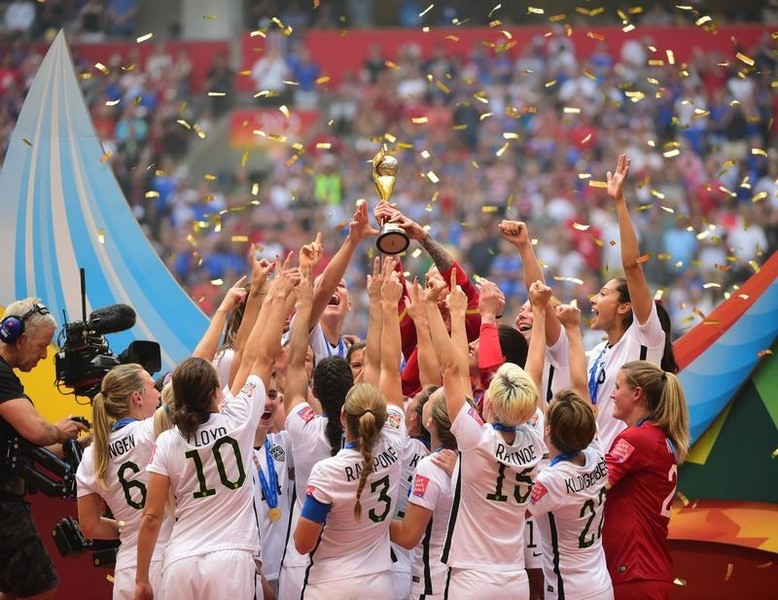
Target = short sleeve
(86,482)
(318,486)
(650,333)
(543,498)
(298,418)
(394,427)
(159,454)
(425,486)
(10,386)
(627,454)
(557,353)
(252,397)
(467,427)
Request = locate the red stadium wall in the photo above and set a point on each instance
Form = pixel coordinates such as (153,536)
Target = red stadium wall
(339,52)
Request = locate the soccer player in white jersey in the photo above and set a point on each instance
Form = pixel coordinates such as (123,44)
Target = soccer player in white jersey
(273,464)
(113,470)
(349,498)
(568,500)
(205,460)
(314,436)
(498,459)
(625,310)
(424,525)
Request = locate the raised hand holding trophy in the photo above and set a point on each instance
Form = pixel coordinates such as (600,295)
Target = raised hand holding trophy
(392,238)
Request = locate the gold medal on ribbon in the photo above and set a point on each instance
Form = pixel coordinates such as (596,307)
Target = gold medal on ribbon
(274,514)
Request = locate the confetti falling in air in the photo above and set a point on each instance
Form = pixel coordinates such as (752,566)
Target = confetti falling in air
(679,582)
(143,38)
(101,236)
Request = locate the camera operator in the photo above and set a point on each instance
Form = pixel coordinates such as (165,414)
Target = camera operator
(26,330)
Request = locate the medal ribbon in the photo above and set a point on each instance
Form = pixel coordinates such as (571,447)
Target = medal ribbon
(269,490)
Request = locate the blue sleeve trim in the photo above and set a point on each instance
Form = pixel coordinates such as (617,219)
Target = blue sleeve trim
(315,511)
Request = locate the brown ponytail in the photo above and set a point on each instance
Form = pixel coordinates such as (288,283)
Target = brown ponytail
(365,409)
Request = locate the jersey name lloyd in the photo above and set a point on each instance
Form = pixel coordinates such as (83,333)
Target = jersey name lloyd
(382,460)
(520,457)
(581,482)
(207,436)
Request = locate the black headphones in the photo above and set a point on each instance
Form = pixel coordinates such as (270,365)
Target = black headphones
(12,326)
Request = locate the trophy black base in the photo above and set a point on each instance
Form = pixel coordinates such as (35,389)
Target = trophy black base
(392,240)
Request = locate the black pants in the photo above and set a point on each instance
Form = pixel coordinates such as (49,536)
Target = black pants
(25,566)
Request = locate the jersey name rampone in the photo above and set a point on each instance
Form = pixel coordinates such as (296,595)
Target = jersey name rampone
(382,461)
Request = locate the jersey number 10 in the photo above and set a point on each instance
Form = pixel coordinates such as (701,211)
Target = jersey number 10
(216,450)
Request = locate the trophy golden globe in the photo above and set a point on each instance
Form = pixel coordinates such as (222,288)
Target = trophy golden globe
(392,238)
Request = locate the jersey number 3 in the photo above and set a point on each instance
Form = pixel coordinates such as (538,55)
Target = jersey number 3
(231,484)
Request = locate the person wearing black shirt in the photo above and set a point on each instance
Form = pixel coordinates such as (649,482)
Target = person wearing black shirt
(26,331)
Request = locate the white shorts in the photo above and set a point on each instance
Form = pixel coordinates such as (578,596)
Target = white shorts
(486,585)
(290,582)
(401,573)
(222,574)
(124,581)
(533,557)
(376,586)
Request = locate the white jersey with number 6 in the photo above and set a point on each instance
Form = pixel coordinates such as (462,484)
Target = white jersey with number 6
(568,502)
(211,478)
(129,451)
(492,483)
(347,547)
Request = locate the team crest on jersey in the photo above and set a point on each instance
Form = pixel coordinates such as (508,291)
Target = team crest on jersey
(420,486)
(278,453)
(538,491)
(248,388)
(307,414)
(533,422)
(622,450)
(476,417)
(393,420)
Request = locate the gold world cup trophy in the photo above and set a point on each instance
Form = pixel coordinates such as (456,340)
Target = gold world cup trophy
(392,238)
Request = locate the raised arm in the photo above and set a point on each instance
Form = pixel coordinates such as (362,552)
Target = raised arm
(389,381)
(570,317)
(372,369)
(296,390)
(539,295)
(457,302)
(517,234)
(265,337)
(209,343)
(429,369)
(448,355)
(359,229)
(260,269)
(639,292)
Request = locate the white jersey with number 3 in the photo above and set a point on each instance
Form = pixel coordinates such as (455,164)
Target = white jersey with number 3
(492,483)
(211,478)
(347,547)
(568,502)
(129,451)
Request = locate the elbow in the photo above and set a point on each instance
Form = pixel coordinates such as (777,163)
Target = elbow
(406,542)
(89,528)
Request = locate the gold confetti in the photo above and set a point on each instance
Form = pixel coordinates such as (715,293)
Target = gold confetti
(598,184)
(210,17)
(775,454)
(485,116)
(656,62)
(711,285)
(550,83)
(580,226)
(585,176)
(284,110)
(323,79)
(667,209)
(244,159)
(627,28)
(426,10)
(535,11)
(416,253)
(151,194)
(502,150)
(432,177)
(217,94)
(557,18)
(489,209)
(452,38)
(759,151)
(495,9)
(109,577)
(574,280)
(571,110)
(680,495)
(419,120)
(746,59)
(658,194)
(702,20)
(510,135)
(670,57)
(102,68)
(641,259)
(595,36)
(143,38)
(254,189)
(679,582)
(754,266)
(424,154)
(442,87)
(240,239)
(671,153)
(217,281)
(184,123)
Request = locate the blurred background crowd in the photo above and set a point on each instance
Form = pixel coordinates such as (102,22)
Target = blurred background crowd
(482,133)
